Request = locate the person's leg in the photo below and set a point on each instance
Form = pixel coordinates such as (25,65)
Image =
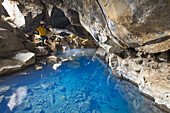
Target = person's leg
(42,38)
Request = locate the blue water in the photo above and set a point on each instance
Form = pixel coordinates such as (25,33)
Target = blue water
(81,85)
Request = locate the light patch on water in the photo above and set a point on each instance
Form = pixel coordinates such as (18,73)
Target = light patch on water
(17,97)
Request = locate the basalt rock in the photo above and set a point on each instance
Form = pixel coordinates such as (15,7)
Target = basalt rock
(149,75)
(20,60)
(142,25)
(9,43)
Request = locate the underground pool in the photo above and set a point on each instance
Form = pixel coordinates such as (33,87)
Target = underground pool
(81,83)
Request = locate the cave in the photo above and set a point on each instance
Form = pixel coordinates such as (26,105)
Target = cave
(102,56)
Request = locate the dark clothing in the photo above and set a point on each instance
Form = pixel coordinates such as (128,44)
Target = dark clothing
(42,38)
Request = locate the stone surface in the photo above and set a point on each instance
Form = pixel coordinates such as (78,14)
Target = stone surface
(118,24)
(40,51)
(4,89)
(20,60)
(63,89)
(150,76)
(9,43)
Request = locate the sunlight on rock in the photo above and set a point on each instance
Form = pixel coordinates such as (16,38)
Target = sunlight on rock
(55,66)
(14,12)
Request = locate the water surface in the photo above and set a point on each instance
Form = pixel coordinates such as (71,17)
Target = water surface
(82,84)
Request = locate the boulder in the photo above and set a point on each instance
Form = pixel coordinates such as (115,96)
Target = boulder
(21,59)
(9,43)
(29,45)
(40,51)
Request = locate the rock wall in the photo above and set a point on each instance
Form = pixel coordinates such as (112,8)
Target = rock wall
(151,77)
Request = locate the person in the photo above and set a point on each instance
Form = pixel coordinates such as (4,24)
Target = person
(42,33)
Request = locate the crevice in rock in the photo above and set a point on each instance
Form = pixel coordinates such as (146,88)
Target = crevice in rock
(116,40)
(159,40)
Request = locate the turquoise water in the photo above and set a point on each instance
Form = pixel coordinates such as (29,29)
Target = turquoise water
(83,84)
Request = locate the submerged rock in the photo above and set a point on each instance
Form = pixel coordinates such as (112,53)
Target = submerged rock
(21,59)
(2,98)
(63,89)
(85,106)
(4,89)
(150,76)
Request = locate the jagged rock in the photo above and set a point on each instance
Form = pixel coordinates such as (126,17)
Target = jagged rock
(150,76)
(20,60)
(163,57)
(57,18)
(40,51)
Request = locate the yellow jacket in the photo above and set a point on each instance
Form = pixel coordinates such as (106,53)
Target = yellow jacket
(42,31)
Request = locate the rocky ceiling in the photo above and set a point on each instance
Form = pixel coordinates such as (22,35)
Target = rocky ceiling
(114,24)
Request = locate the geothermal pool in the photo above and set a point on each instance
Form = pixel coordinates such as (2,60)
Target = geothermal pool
(80,84)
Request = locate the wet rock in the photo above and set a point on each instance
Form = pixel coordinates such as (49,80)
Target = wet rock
(85,106)
(73,64)
(151,76)
(53,59)
(63,89)
(2,103)
(2,98)
(37,87)
(56,65)
(52,99)
(40,51)
(20,60)
(4,89)
(136,105)
(63,97)
(26,106)
(47,86)
(77,100)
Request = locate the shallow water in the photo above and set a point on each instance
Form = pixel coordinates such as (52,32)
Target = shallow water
(83,84)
